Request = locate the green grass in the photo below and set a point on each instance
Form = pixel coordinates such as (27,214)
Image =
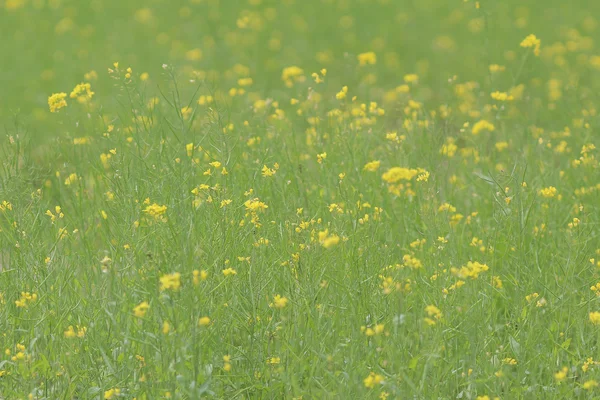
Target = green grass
(310,266)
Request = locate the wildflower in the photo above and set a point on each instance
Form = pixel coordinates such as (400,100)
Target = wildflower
(71,332)
(273,360)
(411,262)
(396,174)
(57,101)
(595,317)
(255,205)
(317,78)
(245,82)
(509,361)
(82,92)
(229,272)
(497,68)
(376,330)
(25,299)
(482,125)
(501,96)
(111,394)
(292,74)
(530,297)
(227,363)
(372,380)
(500,146)
(141,309)
(5,205)
(434,314)
(170,281)
(548,192)
(561,375)
(372,166)
(589,385)
(204,321)
(447,207)
(71,179)
(367,58)
(267,172)
(279,301)
(321,157)
(193,55)
(326,240)
(472,270)
(531,41)
(199,276)
(497,282)
(342,93)
(189,149)
(225,202)
(155,211)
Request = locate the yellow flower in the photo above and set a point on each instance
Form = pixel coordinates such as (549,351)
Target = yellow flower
(411,78)
(396,174)
(204,321)
(372,380)
(57,101)
(595,317)
(531,41)
(111,394)
(156,211)
(70,332)
(472,270)
(482,125)
(502,96)
(141,309)
(199,276)
(170,281)
(433,311)
(509,361)
(367,58)
(82,92)
(279,301)
(267,172)
(25,298)
(530,297)
(342,93)
(255,205)
(326,240)
(229,271)
(548,192)
(561,375)
(292,74)
(193,55)
(588,385)
(372,166)
(189,149)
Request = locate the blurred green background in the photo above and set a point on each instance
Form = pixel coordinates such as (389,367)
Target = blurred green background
(48,46)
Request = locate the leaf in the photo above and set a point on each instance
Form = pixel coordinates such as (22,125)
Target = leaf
(566,343)
(514,345)
(413,363)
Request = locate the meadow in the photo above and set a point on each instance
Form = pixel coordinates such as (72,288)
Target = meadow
(299,199)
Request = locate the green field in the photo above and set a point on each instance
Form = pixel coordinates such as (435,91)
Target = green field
(299,199)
